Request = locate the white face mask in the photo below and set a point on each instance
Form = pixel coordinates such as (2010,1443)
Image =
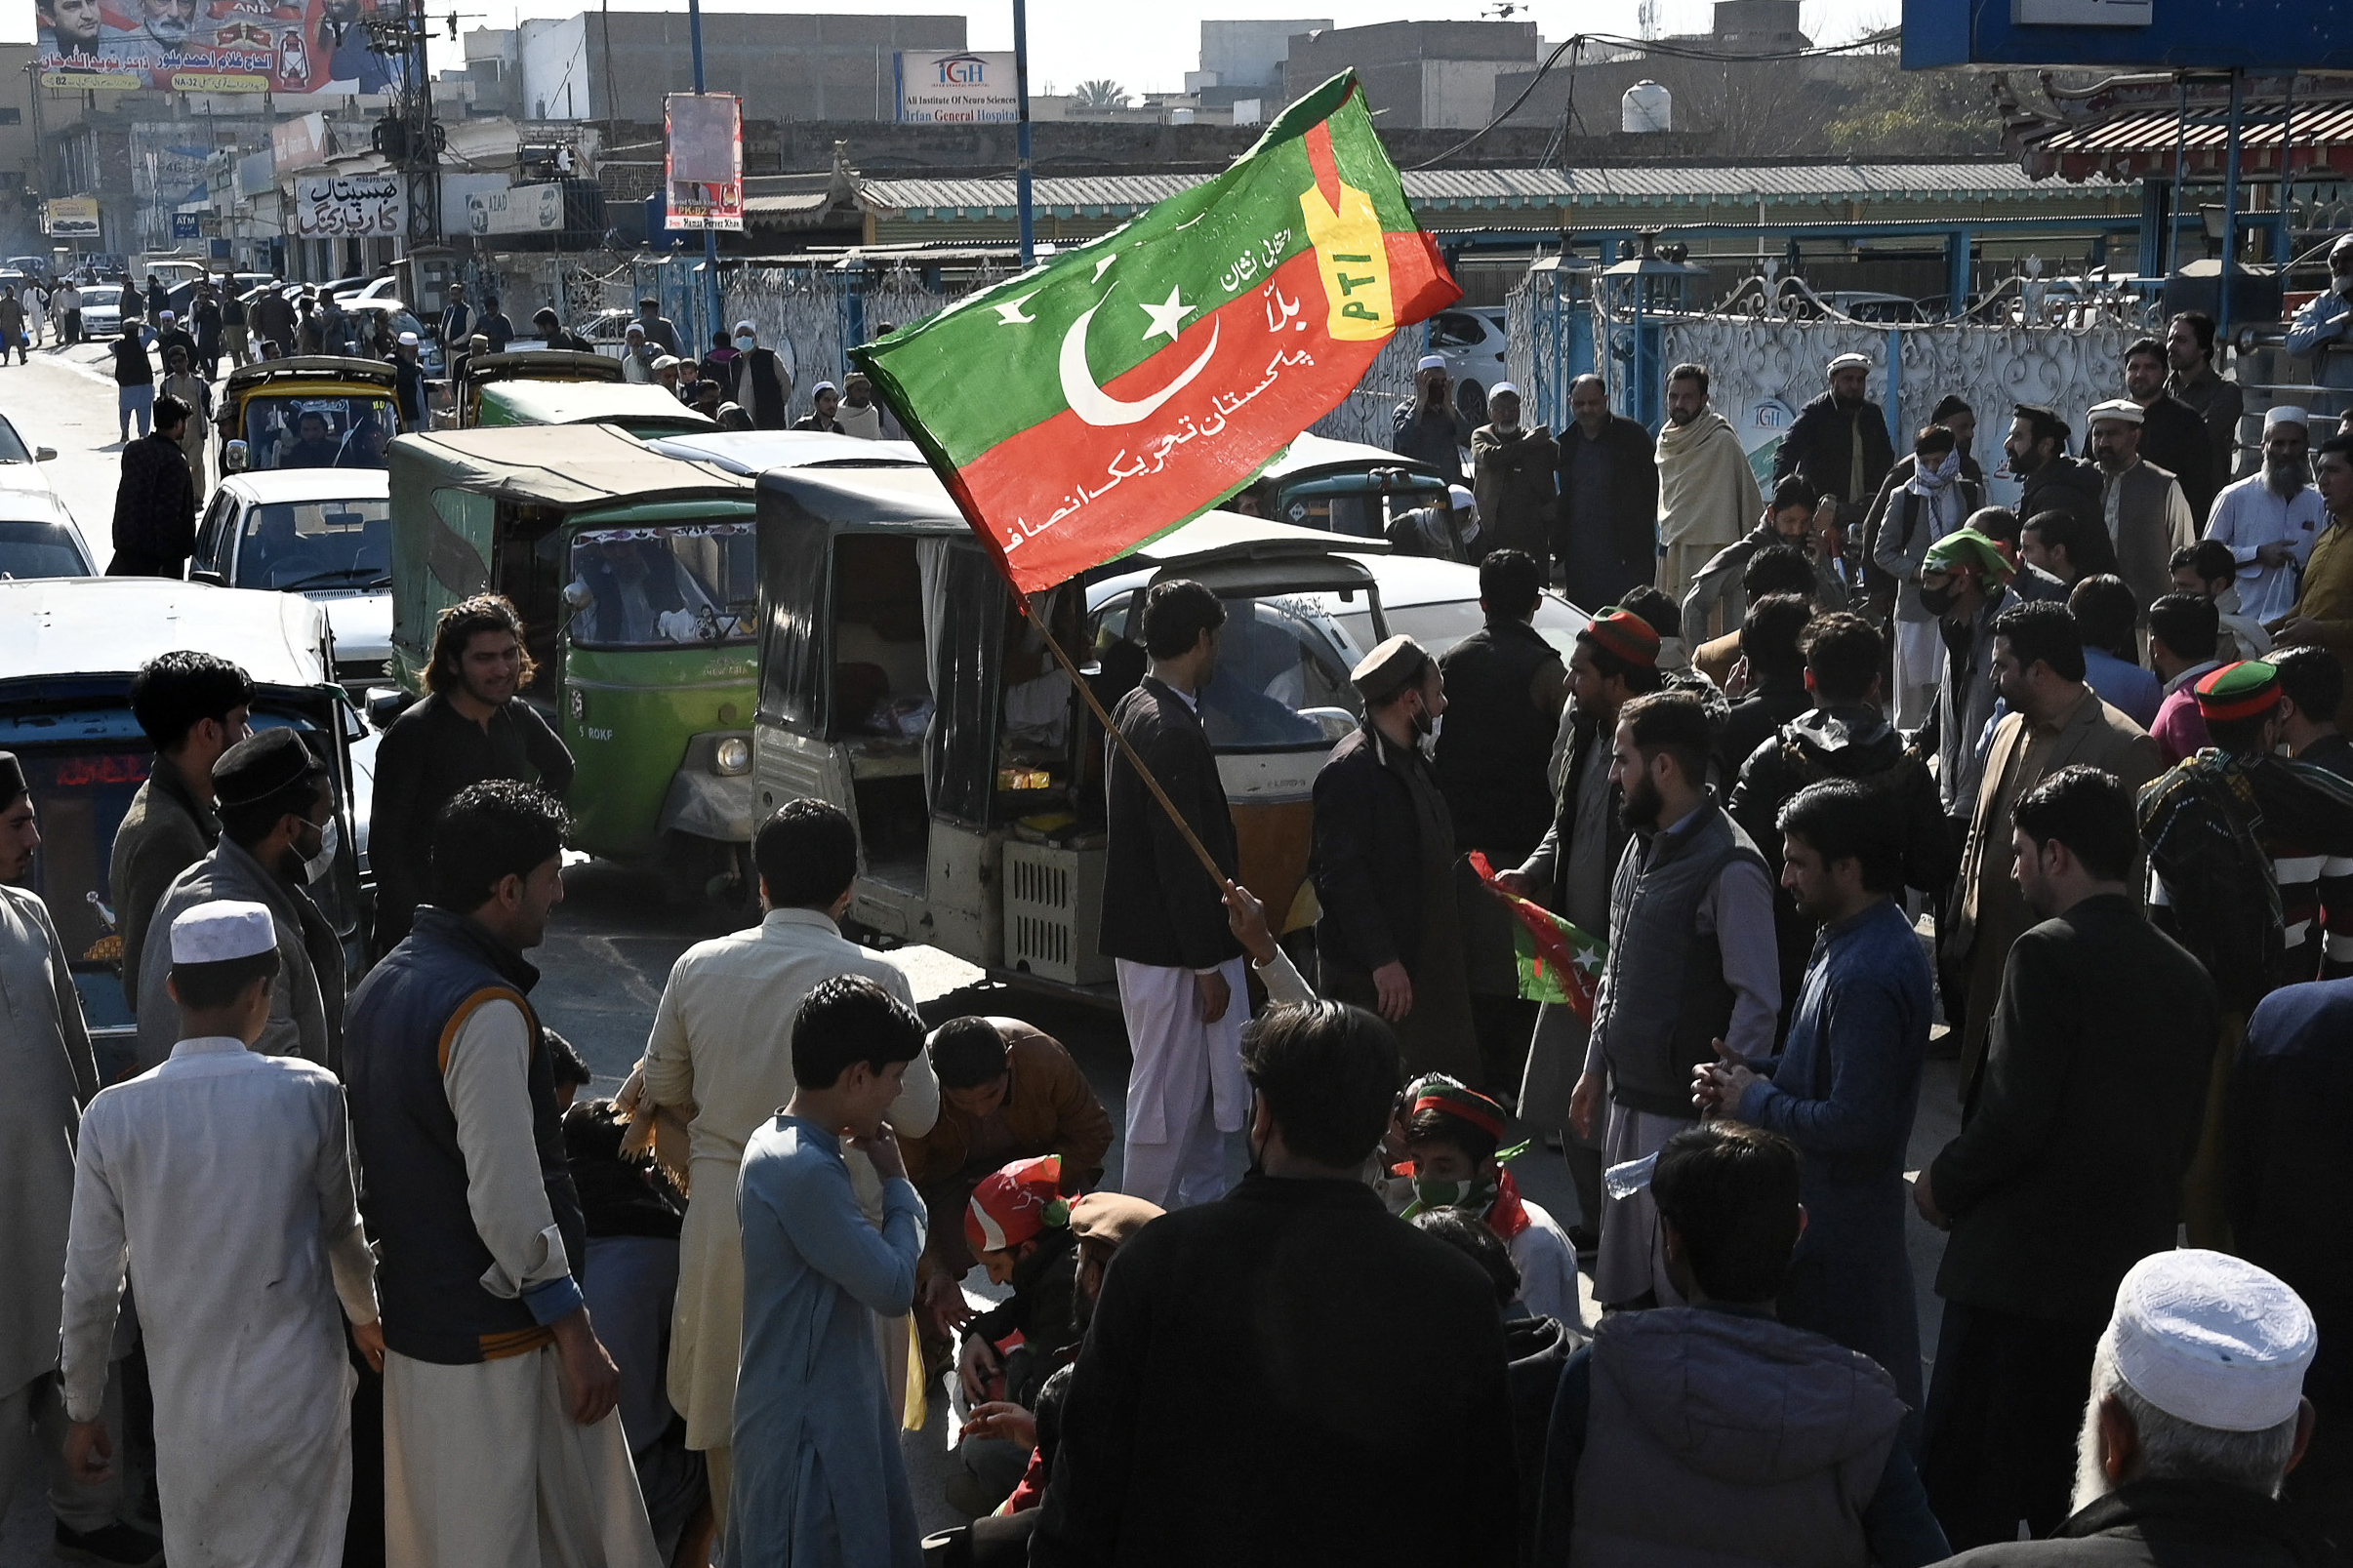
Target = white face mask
(330,839)
(745,342)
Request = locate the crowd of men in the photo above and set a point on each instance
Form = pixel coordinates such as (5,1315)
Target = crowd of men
(353,1275)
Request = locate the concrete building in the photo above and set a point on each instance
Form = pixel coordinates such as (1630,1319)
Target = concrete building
(599,66)
(1417,73)
(1242,63)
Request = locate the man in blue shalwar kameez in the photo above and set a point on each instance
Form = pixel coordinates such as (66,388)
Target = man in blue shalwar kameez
(1847,1080)
(819,1481)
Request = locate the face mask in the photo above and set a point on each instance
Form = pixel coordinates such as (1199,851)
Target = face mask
(745,342)
(330,839)
(1431,1193)
(1936,601)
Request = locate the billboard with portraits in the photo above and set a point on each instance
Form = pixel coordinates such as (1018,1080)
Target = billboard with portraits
(212,46)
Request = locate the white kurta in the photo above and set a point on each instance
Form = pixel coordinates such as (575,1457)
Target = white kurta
(483,1464)
(722,1043)
(224,1178)
(50,1075)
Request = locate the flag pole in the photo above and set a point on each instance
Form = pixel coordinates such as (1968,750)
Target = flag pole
(1126,748)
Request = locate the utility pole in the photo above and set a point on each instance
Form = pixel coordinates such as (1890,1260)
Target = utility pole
(409,138)
(711,237)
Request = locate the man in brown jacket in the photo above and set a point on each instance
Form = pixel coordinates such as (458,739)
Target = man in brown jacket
(2054,721)
(193,706)
(1007,1092)
(2148,517)
(1512,477)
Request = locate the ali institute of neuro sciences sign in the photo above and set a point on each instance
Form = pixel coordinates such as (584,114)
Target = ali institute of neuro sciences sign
(956,87)
(337,207)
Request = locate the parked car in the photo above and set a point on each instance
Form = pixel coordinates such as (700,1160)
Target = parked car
(39,537)
(101,310)
(323,533)
(21,463)
(1471,344)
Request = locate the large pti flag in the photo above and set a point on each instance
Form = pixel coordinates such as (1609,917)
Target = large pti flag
(1138,380)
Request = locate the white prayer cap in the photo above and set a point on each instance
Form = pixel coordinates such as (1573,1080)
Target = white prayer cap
(409,340)
(746,326)
(226,928)
(2211,1339)
(666,362)
(2117,407)
(1502,389)
(165,315)
(825,386)
(1847,361)
(2284,414)
(1461,498)
(1430,362)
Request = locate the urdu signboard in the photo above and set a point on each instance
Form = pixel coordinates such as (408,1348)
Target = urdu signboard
(335,207)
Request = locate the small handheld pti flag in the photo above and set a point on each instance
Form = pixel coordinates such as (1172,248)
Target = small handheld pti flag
(1138,380)
(1557,962)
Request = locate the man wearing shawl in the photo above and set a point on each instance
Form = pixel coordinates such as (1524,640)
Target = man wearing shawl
(1707,493)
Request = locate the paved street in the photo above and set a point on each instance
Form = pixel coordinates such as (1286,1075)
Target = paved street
(614,939)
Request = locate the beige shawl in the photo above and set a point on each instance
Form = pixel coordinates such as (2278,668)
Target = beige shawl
(1707,493)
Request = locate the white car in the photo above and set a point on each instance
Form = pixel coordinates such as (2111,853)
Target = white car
(21,462)
(323,533)
(101,310)
(1470,340)
(38,538)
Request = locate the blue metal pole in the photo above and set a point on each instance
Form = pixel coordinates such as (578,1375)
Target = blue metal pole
(2230,205)
(711,237)
(1021,171)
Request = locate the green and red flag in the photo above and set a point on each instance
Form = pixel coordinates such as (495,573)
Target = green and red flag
(1136,381)
(1557,962)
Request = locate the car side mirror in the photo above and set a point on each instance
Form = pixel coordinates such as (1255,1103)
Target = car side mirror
(44,453)
(234,456)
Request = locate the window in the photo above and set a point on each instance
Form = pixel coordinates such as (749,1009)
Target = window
(39,549)
(663,585)
(318,432)
(337,543)
(1275,667)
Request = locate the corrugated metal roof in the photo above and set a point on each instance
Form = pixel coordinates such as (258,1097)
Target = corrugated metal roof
(1105,195)
(2147,141)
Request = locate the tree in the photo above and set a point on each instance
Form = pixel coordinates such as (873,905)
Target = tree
(1101,94)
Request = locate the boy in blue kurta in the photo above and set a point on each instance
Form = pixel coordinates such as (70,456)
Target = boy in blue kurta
(1847,1080)
(819,1481)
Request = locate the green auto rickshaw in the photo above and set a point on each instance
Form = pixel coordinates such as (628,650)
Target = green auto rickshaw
(476,374)
(643,410)
(636,575)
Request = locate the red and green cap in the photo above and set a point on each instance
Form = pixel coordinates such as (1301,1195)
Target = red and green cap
(1618,630)
(1440,1093)
(1015,1203)
(1965,549)
(2247,690)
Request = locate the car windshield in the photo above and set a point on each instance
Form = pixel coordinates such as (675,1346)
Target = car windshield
(101,296)
(334,543)
(1280,682)
(1362,514)
(39,549)
(664,585)
(318,432)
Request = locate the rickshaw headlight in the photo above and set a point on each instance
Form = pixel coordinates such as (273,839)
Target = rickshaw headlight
(732,755)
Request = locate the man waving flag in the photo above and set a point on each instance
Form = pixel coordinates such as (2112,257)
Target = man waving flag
(1133,382)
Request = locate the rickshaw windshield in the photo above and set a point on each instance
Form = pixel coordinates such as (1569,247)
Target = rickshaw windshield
(318,432)
(339,543)
(664,585)
(1280,682)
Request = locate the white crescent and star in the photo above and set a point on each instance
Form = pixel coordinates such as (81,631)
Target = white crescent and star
(1090,402)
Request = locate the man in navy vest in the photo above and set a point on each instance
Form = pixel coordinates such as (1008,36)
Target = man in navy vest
(468,1193)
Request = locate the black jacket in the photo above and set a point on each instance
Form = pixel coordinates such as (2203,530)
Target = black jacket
(429,753)
(767,405)
(1367,858)
(154,509)
(1435,436)
(1160,907)
(1504,689)
(2078,1128)
(2063,484)
(1819,449)
(1755,719)
(1841,743)
(2179,1524)
(1250,1389)
(1632,458)
(1582,755)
